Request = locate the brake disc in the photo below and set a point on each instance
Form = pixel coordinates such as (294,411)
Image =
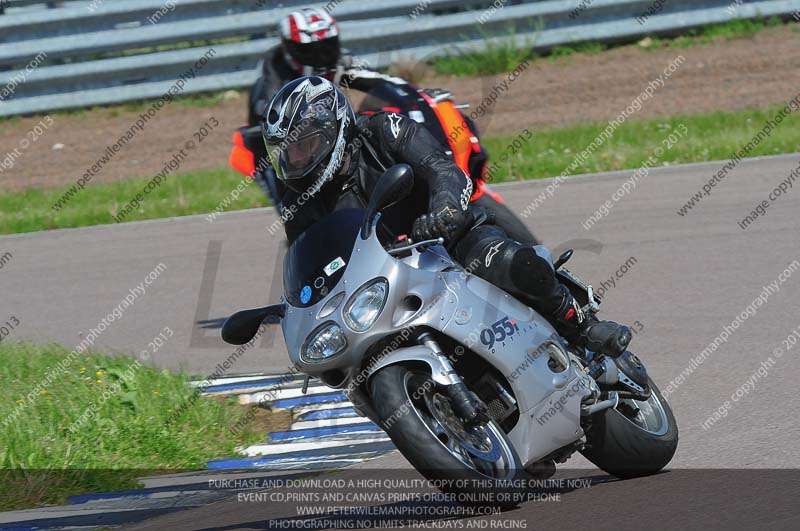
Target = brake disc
(478,440)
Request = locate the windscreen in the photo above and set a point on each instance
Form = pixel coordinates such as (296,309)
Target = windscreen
(316,261)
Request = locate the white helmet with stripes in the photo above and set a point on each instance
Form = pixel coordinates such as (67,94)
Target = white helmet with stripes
(310,39)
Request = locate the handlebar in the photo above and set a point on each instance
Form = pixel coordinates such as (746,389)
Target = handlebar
(406,244)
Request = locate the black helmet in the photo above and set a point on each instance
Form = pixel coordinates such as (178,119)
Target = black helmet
(307,127)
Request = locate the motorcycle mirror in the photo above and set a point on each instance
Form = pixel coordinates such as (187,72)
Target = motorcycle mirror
(243,326)
(565,256)
(395,184)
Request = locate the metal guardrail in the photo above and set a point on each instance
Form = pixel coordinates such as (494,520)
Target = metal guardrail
(8,4)
(85,53)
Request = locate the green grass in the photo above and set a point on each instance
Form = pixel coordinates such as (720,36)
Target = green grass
(42,461)
(586,47)
(710,137)
(497,57)
(180,195)
(734,29)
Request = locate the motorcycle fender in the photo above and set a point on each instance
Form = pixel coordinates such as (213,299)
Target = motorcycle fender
(440,372)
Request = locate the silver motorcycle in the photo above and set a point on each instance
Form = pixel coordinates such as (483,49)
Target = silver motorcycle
(469,383)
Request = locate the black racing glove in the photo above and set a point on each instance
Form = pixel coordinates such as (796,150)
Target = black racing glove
(448,223)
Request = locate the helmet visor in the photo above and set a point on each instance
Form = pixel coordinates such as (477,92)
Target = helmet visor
(295,160)
(301,153)
(322,54)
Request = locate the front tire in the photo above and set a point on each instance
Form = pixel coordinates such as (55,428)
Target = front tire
(629,444)
(404,398)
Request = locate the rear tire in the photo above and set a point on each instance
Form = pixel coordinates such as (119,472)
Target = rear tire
(623,448)
(412,428)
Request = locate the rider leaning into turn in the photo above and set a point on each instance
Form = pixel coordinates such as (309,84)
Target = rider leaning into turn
(330,160)
(310,46)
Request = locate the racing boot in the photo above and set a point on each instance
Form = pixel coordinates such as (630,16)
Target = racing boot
(585,330)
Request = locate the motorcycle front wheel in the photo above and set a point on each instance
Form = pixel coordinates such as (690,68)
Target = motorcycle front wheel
(478,463)
(637,438)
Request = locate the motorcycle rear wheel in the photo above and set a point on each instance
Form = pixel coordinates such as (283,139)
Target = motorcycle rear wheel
(634,439)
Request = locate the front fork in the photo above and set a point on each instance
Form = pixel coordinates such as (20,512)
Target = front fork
(466,405)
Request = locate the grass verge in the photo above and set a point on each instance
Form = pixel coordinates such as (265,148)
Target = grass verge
(734,29)
(498,56)
(709,137)
(102,423)
(180,195)
(547,153)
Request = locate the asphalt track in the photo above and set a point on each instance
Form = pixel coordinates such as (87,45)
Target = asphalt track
(692,275)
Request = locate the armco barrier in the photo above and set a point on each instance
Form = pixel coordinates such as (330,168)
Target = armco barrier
(95,52)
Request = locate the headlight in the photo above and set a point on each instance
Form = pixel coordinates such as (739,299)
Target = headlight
(366,305)
(331,306)
(326,342)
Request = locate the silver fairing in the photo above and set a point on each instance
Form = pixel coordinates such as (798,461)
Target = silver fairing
(461,306)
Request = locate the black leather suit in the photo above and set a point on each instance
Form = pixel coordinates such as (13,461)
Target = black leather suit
(275,72)
(484,248)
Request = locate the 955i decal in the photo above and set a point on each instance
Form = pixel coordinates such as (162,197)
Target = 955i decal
(499,331)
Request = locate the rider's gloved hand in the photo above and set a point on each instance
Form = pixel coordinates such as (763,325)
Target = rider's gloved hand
(448,223)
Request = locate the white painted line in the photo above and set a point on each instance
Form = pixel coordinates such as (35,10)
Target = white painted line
(282,448)
(301,464)
(278,394)
(349,421)
(319,407)
(239,379)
